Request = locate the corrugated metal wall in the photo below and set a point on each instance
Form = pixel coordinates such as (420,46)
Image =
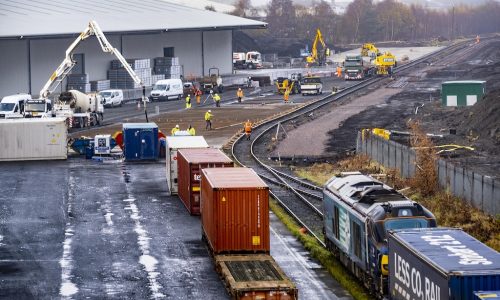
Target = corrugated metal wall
(47,54)
(479,190)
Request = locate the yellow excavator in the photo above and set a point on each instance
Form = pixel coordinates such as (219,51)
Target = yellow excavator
(318,58)
(384,62)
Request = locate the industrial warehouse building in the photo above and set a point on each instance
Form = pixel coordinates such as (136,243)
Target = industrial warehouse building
(35,35)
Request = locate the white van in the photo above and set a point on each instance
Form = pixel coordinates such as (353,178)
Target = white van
(167,89)
(13,106)
(112,98)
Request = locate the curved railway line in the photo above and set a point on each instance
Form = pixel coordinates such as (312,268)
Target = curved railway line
(301,199)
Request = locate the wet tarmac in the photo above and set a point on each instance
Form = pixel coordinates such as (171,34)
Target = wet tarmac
(80,229)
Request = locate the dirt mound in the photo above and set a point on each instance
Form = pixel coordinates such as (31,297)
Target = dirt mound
(483,118)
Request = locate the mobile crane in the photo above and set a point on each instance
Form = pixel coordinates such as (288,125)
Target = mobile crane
(65,105)
(316,57)
(384,62)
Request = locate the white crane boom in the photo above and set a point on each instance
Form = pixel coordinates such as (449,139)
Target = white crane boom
(68,63)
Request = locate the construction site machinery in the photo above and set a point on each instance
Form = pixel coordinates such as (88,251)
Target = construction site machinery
(60,108)
(290,85)
(369,50)
(318,57)
(249,60)
(355,68)
(385,63)
(79,109)
(212,82)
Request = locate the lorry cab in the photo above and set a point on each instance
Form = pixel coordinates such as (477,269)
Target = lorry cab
(253,60)
(112,98)
(37,108)
(167,89)
(311,85)
(13,106)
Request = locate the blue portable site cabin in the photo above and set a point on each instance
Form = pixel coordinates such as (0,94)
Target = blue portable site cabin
(140,141)
(358,211)
(444,263)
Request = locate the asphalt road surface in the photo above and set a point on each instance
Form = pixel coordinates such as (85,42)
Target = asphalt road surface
(80,229)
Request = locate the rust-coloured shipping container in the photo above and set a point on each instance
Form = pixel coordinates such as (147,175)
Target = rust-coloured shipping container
(190,163)
(235,210)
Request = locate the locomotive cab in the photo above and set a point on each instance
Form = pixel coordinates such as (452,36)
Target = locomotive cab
(358,213)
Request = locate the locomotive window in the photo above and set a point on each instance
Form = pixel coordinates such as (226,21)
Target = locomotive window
(356,237)
(336,230)
(404,223)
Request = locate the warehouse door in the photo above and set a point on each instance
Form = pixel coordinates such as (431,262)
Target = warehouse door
(79,67)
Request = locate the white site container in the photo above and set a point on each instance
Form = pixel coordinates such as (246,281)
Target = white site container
(33,139)
(173,144)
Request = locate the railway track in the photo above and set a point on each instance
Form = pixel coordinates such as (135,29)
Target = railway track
(301,199)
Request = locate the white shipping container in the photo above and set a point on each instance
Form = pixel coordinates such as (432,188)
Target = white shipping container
(33,139)
(173,144)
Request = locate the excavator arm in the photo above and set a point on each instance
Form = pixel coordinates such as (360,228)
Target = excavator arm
(68,63)
(369,48)
(314,49)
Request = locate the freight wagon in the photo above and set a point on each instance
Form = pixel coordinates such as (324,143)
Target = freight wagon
(235,226)
(174,143)
(440,264)
(358,212)
(190,162)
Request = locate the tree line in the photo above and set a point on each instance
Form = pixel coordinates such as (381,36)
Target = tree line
(369,21)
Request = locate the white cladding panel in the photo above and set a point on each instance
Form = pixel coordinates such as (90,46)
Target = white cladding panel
(47,54)
(173,144)
(217,47)
(33,139)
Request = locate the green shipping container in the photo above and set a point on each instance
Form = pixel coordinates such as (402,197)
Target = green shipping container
(462,93)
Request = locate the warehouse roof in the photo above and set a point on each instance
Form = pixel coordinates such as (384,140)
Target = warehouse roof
(26,18)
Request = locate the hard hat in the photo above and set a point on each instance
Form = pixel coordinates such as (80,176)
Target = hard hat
(239,89)
(177,126)
(209,110)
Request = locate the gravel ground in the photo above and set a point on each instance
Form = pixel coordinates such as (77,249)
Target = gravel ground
(479,62)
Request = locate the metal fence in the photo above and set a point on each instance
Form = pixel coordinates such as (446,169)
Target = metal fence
(480,191)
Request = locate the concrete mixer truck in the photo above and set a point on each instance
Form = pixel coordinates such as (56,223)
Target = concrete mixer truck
(79,109)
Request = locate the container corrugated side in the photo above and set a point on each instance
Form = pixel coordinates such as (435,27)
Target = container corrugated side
(234,220)
(173,143)
(189,180)
(33,139)
(440,263)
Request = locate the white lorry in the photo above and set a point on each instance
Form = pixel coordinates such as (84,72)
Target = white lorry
(249,60)
(95,115)
(311,85)
(12,107)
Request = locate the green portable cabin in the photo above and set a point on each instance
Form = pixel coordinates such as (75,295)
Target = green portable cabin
(462,93)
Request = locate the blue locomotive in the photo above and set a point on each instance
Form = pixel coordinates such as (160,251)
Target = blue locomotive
(358,211)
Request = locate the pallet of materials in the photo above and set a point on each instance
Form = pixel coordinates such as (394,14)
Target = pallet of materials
(100,85)
(134,63)
(84,88)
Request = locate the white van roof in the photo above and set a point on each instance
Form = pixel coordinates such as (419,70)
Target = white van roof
(112,90)
(15,98)
(167,81)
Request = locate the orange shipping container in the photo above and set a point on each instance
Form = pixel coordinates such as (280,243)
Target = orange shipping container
(190,163)
(235,210)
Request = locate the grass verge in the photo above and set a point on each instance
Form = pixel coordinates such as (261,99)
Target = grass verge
(334,267)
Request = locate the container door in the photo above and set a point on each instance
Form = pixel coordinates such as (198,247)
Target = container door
(195,189)
(173,172)
(147,144)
